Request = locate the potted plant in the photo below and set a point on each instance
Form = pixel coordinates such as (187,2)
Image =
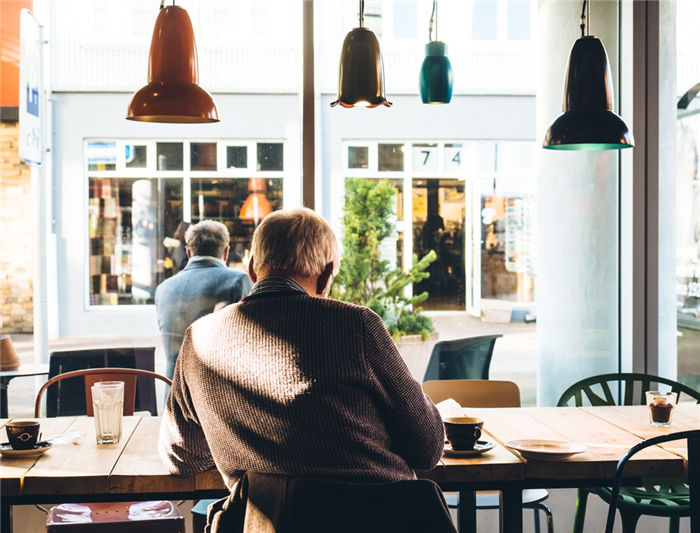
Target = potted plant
(367,279)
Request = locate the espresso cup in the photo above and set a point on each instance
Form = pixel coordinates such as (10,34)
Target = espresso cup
(22,434)
(463,432)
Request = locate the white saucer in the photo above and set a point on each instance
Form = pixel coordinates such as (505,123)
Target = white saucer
(551,450)
(39,450)
(480,447)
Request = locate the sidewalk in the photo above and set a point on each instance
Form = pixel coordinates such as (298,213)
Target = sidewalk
(514,358)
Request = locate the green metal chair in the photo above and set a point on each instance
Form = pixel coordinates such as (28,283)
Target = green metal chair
(664,497)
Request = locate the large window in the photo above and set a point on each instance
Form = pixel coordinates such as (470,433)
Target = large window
(143,194)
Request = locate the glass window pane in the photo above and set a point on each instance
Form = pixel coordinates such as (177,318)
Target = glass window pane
(236,157)
(170,156)
(519,20)
(102,155)
(405,17)
(484,25)
(454,157)
(390,157)
(438,225)
(239,203)
(136,156)
(425,157)
(270,156)
(203,156)
(358,157)
(129,219)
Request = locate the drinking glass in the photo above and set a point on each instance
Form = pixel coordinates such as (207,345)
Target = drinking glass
(661,405)
(108,407)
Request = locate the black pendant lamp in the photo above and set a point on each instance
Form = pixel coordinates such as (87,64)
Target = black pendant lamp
(436,77)
(361,76)
(173,94)
(588,121)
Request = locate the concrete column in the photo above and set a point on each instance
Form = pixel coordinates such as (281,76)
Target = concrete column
(577,279)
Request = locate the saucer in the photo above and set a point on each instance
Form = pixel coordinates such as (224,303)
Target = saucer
(40,449)
(552,450)
(480,447)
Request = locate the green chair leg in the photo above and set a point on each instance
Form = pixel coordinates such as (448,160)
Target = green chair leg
(629,520)
(674,524)
(580,513)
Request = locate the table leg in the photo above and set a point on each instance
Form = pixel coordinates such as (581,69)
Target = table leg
(466,512)
(6,519)
(511,511)
(3,398)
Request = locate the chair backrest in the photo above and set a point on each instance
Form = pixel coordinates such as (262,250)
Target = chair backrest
(693,438)
(93,375)
(468,358)
(68,398)
(266,502)
(621,389)
(474,392)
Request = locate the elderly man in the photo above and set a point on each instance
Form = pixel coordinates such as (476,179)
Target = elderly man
(203,286)
(289,382)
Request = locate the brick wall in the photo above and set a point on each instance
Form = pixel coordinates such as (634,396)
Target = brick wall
(16,259)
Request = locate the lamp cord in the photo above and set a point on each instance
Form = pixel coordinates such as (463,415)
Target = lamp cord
(162,4)
(433,20)
(362,13)
(583,19)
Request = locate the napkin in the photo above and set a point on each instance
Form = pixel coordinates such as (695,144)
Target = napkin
(449,408)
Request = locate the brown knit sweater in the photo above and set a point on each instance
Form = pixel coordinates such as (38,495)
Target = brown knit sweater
(286,383)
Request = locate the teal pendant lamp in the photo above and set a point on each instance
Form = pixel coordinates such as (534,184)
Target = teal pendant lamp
(588,121)
(436,78)
(173,94)
(361,76)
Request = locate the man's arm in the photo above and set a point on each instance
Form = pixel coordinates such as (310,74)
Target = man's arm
(182,444)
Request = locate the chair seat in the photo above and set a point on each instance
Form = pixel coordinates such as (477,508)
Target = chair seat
(490,499)
(134,517)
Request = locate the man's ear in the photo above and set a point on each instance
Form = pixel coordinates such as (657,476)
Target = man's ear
(324,280)
(251,271)
(189,252)
(225,257)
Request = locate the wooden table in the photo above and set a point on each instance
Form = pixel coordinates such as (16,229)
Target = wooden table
(132,469)
(8,375)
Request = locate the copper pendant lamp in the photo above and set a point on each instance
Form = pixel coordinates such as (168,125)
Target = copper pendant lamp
(361,76)
(436,79)
(256,206)
(173,94)
(588,121)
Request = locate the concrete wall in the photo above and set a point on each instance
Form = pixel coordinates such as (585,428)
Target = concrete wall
(16,257)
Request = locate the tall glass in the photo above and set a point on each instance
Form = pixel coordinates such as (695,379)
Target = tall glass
(661,405)
(108,407)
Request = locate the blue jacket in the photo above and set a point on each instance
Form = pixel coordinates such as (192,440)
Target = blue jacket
(192,293)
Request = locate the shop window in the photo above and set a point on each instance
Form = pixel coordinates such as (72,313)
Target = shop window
(519,20)
(129,219)
(203,156)
(170,156)
(136,156)
(236,157)
(484,20)
(270,156)
(240,203)
(405,18)
(425,157)
(391,157)
(358,157)
(102,155)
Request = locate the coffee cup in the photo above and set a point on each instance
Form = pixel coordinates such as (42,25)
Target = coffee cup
(463,432)
(22,435)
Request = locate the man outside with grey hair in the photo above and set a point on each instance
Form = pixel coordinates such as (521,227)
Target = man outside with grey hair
(205,285)
(290,382)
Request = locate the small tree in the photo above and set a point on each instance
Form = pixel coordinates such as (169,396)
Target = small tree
(364,278)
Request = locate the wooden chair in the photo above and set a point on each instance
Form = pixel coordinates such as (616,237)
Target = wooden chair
(693,438)
(468,358)
(488,393)
(137,517)
(68,398)
(666,497)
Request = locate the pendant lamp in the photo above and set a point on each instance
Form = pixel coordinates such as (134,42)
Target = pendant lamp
(436,77)
(361,76)
(256,206)
(173,94)
(588,121)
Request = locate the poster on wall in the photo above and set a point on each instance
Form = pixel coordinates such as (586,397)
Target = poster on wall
(30,89)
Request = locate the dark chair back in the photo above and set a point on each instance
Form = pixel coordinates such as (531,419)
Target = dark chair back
(468,358)
(620,389)
(693,438)
(67,398)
